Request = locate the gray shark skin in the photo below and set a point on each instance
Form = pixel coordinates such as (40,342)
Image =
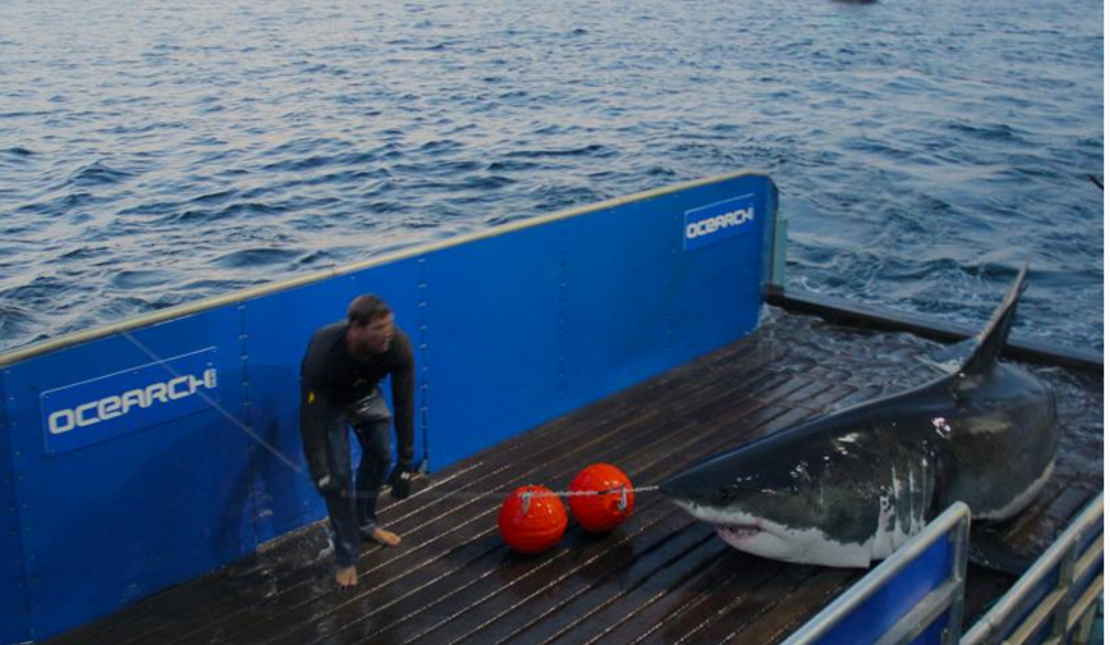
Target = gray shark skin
(852,487)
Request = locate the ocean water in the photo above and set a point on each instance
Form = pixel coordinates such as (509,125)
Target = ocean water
(154,152)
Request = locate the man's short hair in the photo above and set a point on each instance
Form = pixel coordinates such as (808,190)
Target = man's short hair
(367,308)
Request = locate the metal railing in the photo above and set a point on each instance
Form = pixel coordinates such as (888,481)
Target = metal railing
(1076,560)
(954,525)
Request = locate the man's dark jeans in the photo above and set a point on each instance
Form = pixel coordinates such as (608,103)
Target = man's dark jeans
(351,512)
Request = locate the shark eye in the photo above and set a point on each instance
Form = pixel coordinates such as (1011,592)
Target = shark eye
(723,494)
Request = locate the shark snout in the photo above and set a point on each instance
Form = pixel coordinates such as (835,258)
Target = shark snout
(671,489)
(686,487)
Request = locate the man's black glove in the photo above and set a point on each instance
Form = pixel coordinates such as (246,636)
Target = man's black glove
(401,480)
(329,486)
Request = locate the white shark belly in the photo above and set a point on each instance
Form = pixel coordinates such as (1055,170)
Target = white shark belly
(1017,504)
(800,546)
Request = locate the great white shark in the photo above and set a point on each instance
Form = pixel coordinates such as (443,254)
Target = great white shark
(850,488)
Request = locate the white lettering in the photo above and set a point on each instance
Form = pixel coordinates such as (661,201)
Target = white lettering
(132,398)
(108,408)
(115,406)
(713,224)
(156,392)
(82,420)
(174,393)
(62,421)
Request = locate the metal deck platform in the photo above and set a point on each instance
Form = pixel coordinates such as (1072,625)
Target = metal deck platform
(659,578)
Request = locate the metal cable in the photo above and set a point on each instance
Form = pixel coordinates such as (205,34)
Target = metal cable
(215,404)
(527,496)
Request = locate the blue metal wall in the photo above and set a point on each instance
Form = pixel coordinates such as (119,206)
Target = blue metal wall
(15,609)
(510,330)
(112,522)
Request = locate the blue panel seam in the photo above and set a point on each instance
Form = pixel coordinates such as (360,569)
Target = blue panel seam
(561,343)
(248,410)
(21,555)
(422,394)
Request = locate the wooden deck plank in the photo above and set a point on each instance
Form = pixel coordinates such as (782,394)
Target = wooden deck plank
(428,515)
(572,462)
(659,578)
(650,459)
(680,608)
(165,609)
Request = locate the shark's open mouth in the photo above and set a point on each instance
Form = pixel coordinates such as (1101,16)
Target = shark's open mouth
(731,532)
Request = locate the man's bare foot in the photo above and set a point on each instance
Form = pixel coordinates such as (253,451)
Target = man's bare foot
(384,537)
(347,577)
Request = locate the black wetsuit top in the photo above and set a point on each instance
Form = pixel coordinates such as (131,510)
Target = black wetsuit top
(332,379)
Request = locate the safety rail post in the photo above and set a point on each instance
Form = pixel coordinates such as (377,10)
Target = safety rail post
(1064,603)
(954,525)
(1085,606)
(962,539)
(1064,582)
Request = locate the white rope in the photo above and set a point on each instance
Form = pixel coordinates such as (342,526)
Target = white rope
(526,496)
(494,494)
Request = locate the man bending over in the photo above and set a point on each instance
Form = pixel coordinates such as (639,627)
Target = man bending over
(340,376)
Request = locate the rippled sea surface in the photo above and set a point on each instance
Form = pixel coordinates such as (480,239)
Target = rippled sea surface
(156,152)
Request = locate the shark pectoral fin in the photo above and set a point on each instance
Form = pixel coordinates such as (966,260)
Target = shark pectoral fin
(988,550)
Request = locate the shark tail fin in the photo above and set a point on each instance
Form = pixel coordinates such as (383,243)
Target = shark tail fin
(990,341)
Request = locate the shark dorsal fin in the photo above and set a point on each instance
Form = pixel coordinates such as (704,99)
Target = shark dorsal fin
(949,359)
(990,341)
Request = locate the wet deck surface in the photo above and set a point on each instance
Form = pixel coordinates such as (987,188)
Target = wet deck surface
(660,578)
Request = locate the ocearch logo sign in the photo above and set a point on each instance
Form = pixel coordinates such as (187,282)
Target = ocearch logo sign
(126,401)
(718,222)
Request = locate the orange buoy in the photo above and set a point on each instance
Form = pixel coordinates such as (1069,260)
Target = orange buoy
(532,519)
(603,512)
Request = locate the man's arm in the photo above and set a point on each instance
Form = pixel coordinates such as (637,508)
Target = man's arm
(317,412)
(403,385)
